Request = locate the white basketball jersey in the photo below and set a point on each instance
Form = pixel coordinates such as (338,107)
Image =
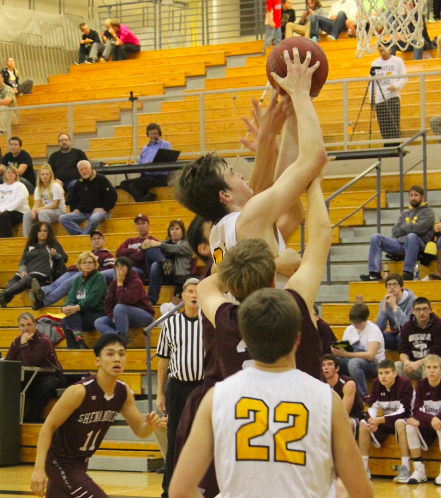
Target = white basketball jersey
(272,435)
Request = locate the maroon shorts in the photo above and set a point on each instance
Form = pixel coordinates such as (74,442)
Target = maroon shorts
(428,434)
(69,479)
(380,435)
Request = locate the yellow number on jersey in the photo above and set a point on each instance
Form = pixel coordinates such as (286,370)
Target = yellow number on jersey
(256,428)
(294,432)
(218,255)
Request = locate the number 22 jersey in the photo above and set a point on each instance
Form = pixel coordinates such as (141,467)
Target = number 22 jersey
(272,435)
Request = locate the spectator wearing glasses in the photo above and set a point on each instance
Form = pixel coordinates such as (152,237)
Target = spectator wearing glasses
(420,336)
(395,310)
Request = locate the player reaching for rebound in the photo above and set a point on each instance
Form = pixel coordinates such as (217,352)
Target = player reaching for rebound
(273,430)
(79,421)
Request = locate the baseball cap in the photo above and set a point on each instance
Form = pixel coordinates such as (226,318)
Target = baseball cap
(142,217)
(99,232)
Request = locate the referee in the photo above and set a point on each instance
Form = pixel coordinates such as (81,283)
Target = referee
(181,355)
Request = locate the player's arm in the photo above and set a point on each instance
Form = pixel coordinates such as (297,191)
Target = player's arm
(142,428)
(210,297)
(62,410)
(196,455)
(308,277)
(347,459)
(349,391)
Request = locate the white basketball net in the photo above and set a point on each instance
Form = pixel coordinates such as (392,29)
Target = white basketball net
(389,22)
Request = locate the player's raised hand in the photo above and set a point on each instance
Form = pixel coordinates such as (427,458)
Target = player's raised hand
(154,420)
(39,482)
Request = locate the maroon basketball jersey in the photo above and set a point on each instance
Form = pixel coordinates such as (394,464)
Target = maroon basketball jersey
(81,435)
(358,407)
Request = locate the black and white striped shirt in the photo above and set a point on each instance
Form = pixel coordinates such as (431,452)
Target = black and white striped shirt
(181,342)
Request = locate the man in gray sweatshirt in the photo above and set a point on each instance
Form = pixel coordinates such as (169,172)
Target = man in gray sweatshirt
(395,310)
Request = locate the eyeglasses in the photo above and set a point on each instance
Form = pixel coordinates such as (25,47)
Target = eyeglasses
(389,285)
(421,310)
(87,262)
(63,140)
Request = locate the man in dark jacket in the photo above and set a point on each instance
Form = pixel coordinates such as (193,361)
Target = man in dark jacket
(420,336)
(93,197)
(410,235)
(34,349)
(87,40)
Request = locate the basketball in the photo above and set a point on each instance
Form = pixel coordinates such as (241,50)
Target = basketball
(275,62)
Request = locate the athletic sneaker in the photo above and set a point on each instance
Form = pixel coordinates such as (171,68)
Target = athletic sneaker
(403,474)
(167,266)
(330,37)
(419,474)
(314,38)
(372,277)
(437,481)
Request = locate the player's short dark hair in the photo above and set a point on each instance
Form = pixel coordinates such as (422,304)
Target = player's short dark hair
(359,313)
(247,267)
(331,357)
(387,363)
(421,300)
(198,187)
(195,236)
(17,139)
(269,322)
(106,340)
(123,260)
(417,188)
(394,276)
(153,126)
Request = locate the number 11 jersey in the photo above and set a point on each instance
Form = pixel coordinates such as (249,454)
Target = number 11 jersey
(272,435)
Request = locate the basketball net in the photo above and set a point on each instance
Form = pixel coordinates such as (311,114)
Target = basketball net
(389,22)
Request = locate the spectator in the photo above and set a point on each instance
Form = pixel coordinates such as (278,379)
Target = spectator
(273,21)
(13,201)
(303,27)
(437,274)
(134,248)
(410,235)
(424,427)
(92,199)
(10,75)
(367,341)
(346,388)
(21,160)
(198,237)
(392,395)
(7,102)
(171,258)
(395,310)
(85,301)
(420,336)
(139,188)
(49,202)
(126,304)
(342,17)
(327,337)
(43,259)
(89,38)
(387,93)
(50,294)
(104,49)
(125,41)
(181,356)
(34,349)
(288,19)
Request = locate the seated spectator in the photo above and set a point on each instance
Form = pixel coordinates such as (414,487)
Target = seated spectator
(34,349)
(139,188)
(85,301)
(92,199)
(43,259)
(125,41)
(325,332)
(126,304)
(303,28)
(424,427)
(7,102)
(21,160)
(104,49)
(346,388)
(392,396)
(273,21)
(367,341)
(64,163)
(50,294)
(342,17)
(88,40)
(288,18)
(410,235)
(11,77)
(395,310)
(420,336)
(171,258)
(13,201)
(437,274)
(49,202)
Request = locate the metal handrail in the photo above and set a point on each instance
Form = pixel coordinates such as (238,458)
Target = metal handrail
(149,357)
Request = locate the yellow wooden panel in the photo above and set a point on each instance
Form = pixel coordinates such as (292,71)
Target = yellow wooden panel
(375,291)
